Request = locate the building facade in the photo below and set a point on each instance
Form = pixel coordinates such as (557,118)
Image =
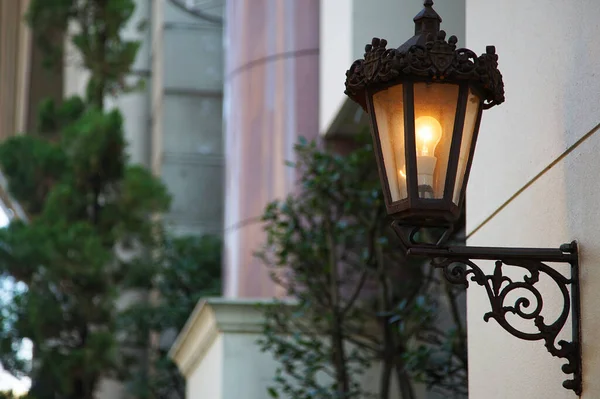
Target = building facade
(173,125)
(186,59)
(281,70)
(534,181)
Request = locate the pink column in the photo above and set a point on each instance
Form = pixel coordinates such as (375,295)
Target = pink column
(271,98)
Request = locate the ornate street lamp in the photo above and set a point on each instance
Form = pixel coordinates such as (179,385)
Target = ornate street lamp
(425,101)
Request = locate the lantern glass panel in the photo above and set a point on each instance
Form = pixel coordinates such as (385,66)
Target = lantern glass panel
(473,107)
(435,111)
(388,106)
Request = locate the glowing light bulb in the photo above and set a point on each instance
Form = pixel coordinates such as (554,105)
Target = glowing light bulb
(428,133)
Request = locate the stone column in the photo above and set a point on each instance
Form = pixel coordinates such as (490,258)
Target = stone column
(271,98)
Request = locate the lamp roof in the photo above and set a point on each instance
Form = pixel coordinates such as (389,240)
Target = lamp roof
(427,22)
(427,56)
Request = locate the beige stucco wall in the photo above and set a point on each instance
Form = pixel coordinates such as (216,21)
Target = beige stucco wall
(534,179)
(206,380)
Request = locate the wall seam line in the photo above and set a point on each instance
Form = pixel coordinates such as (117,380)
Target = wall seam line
(274,57)
(242,223)
(562,156)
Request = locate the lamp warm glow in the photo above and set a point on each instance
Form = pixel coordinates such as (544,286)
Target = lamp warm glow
(428,133)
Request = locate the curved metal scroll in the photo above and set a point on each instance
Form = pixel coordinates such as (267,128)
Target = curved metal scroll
(460,270)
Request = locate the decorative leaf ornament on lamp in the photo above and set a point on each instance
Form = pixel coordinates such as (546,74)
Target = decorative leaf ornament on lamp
(425,101)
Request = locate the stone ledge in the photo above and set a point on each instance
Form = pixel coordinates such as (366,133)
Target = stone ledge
(211,317)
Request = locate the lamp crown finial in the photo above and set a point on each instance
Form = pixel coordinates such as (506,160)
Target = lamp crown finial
(427,21)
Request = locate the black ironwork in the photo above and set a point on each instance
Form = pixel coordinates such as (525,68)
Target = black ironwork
(457,264)
(431,57)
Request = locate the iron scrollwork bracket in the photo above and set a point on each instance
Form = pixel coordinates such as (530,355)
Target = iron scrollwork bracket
(459,268)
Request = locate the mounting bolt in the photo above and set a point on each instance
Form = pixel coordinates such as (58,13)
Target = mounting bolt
(569,248)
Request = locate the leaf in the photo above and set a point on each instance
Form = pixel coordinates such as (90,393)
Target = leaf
(272,392)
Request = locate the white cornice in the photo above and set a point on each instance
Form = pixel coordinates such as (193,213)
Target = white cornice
(210,318)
